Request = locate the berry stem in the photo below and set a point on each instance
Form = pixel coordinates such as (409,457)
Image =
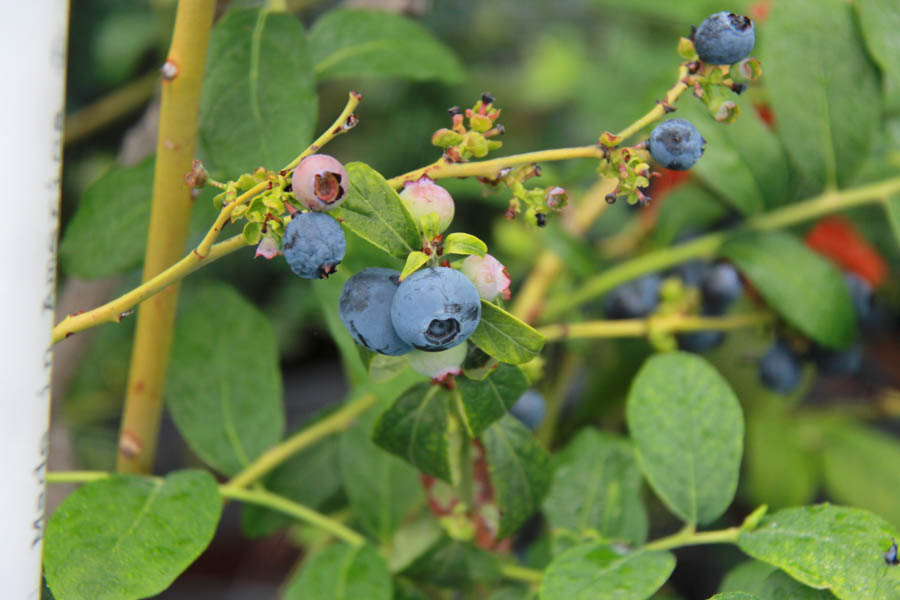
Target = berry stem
(689,537)
(259,496)
(344,123)
(707,245)
(662,324)
(274,456)
(169,218)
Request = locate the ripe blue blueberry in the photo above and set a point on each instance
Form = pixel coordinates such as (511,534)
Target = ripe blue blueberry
(313,245)
(676,144)
(700,341)
(319,182)
(529,409)
(838,363)
(890,557)
(436,309)
(780,369)
(365,310)
(634,299)
(721,285)
(724,38)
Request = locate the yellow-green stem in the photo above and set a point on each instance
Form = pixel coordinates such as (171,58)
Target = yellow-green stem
(339,126)
(258,496)
(517,573)
(707,245)
(110,108)
(274,456)
(663,324)
(687,537)
(169,217)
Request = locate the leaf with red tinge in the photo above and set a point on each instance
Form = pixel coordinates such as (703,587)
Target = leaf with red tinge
(837,239)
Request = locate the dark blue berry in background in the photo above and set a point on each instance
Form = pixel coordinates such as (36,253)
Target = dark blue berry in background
(721,285)
(637,298)
(436,309)
(365,310)
(724,38)
(700,341)
(780,369)
(838,363)
(691,272)
(863,301)
(530,409)
(676,144)
(313,245)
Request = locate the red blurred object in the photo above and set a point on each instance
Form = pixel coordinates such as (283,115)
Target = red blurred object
(837,239)
(760,10)
(765,113)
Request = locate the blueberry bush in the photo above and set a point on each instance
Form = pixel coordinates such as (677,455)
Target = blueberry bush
(648,365)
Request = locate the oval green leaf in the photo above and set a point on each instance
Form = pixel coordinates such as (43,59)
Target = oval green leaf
(366,43)
(342,572)
(463,243)
(373,210)
(804,288)
(748,576)
(506,338)
(880,22)
(413,262)
(596,487)
(224,384)
(454,563)
(823,89)
(258,105)
(484,401)
(736,596)
(128,536)
(415,428)
(108,233)
(688,430)
(826,546)
(598,570)
(855,463)
(520,472)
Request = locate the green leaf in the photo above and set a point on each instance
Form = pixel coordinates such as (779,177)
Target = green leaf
(342,572)
(485,401)
(804,288)
(505,337)
(748,576)
(365,43)
(744,162)
(880,22)
(380,487)
(108,233)
(520,472)
(596,487)
(855,463)
(310,477)
(779,471)
(735,596)
(689,432)
(463,243)
(826,546)
(258,105)
(779,586)
(415,428)
(224,385)
(822,87)
(598,570)
(413,262)
(454,563)
(374,212)
(128,536)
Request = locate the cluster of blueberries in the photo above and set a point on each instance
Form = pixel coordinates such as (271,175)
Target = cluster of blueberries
(781,367)
(434,309)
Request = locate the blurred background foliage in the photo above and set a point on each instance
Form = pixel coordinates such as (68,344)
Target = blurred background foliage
(563,71)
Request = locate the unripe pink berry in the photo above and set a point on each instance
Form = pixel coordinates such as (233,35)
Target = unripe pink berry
(320,182)
(424,196)
(488,275)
